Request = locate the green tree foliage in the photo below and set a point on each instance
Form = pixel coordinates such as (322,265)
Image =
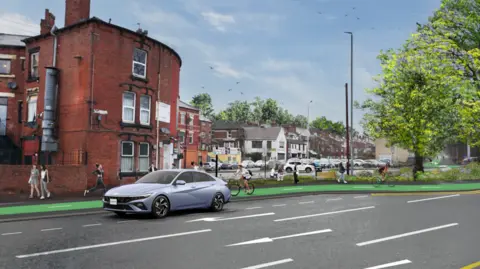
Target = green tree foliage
(203,101)
(323,123)
(238,111)
(415,104)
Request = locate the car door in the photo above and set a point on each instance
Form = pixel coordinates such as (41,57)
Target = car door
(181,195)
(205,188)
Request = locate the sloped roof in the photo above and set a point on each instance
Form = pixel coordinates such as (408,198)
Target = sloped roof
(12,40)
(260,133)
(227,125)
(187,105)
(203,118)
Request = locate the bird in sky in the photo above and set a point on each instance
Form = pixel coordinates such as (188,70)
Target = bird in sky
(211,67)
(238,82)
(203,87)
(241,93)
(358,18)
(229,90)
(319,12)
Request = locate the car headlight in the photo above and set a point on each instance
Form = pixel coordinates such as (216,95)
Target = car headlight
(146,195)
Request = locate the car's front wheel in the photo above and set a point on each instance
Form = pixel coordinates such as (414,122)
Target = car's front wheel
(289,170)
(218,202)
(160,207)
(308,170)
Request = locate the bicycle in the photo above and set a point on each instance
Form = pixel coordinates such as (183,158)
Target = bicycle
(235,187)
(378,181)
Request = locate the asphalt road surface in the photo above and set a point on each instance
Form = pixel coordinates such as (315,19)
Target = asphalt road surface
(322,231)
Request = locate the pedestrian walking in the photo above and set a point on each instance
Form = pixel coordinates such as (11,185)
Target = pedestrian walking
(33,181)
(342,171)
(44,180)
(280,173)
(194,166)
(152,168)
(99,173)
(295,174)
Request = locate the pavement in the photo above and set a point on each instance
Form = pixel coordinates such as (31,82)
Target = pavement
(316,231)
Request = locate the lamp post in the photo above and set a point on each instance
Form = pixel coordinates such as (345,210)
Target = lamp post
(351,98)
(308,129)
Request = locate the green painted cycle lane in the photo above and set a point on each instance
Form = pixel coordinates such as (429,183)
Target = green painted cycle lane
(71,206)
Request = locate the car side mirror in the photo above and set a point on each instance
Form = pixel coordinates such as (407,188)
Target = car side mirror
(180,182)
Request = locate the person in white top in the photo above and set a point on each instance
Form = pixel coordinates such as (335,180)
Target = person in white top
(194,165)
(245,176)
(44,180)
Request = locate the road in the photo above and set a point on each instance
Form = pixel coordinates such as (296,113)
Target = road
(322,231)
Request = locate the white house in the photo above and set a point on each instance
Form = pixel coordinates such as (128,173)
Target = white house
(268,140)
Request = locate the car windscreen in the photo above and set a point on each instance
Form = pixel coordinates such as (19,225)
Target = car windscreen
(159,177)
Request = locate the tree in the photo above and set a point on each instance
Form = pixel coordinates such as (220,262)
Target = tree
(323,123)
(300,121)
(415,106)
(269,111)
(238,111)
(203,101)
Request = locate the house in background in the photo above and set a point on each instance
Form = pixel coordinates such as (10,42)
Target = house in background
(228,141)
(394,154)
(268,141)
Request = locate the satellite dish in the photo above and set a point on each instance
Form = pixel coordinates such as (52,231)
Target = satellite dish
(12,85)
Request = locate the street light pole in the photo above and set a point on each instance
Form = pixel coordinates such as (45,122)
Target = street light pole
(308,129)
(351,99)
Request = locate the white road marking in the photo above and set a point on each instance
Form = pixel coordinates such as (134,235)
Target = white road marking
(110,244)
(279,205)
(307,202)
(91,225)
(390,264)
(125,221)
(406,234)
(326,213)
(292,189)
(233,218)
(51,229)
(12,233)
(250,208)
(359,197)
(269,240)
(433,198)
(268,264)
(334,199)
(59,206)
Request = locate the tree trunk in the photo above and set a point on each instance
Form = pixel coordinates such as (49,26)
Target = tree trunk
(418,166)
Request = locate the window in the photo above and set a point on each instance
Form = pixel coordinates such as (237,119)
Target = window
(34,64)
(229,144)
(159,177)
(182,118)
(229,134)
(145,109)
(143,157)
(186,176)
(126,164)
(20,111)
(257,144)
(128,111)
(23,65)
(269,144)
(190,136)
(182,137)
(282,144)
(32,108)
(139,68)
(202,177)
(5,67)
(191,119)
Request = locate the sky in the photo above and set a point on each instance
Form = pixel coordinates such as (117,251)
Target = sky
(292,51)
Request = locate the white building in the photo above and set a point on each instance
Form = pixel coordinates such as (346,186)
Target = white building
(268,140)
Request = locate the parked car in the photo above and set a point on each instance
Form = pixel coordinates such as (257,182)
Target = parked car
(163,191)
(300,167)
(248,164)
(259,163)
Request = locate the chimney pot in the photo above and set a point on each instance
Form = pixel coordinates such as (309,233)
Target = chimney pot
(76,11)
(47,23)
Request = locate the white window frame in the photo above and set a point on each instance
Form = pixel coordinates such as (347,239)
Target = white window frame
(132,156)
(281,144)
(182,118)
(140,63)
(190,138)
(32,66)
(30,116)
(191,119)
(144,109)
(129,107)
(9,66)
(143,156)
(229,134)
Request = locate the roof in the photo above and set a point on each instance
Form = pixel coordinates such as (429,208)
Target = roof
(12,40)
(227,125)
(97,20)
(187,105)
(260,133)
(203,118)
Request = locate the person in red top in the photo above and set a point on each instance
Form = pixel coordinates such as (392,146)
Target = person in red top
(383,171)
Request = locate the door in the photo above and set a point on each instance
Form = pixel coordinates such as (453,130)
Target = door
(3,115)
(206,187)
(182,196)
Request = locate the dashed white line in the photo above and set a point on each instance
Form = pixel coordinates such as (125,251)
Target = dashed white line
(12,233)
(406,234)
(268,264)
(434,198)
(307,202)
(390,264)
(125,221)
(51,229)
(279,205)
(250,208)
(334,199)
(359,197)
(231,218)
(326,213)
(110,244)
(91,225)
(59,206)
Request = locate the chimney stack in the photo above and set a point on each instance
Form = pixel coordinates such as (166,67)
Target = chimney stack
(47,23)
(76,11)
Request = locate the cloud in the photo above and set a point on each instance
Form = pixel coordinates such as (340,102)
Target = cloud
(157,16)
(219,21)
(13,23)
(223,69)
(273,65)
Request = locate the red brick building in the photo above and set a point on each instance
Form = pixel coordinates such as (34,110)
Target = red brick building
(12,67)
(91,90)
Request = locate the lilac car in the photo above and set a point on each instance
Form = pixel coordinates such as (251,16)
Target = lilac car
(163,191)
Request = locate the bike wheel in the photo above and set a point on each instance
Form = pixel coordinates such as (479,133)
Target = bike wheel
(252,188)
(390,182)
(234,189)
(376,182)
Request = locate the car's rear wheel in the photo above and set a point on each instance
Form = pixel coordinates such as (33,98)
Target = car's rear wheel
(160,207)
(308,170)
(218,202)
(121,214)
(289,170)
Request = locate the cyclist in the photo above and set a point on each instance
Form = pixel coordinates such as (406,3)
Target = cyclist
(383,171)
(245,176)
